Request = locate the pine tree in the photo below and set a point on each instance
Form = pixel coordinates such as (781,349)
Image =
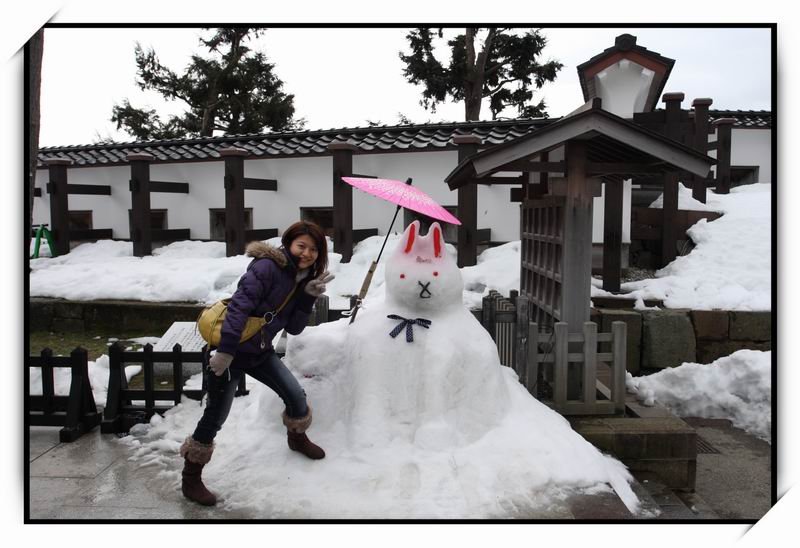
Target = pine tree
(232,90)
(505,70)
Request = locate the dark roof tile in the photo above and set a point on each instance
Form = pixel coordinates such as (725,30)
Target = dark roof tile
(372,139)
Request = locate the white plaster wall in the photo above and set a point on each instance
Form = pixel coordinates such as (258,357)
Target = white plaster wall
(301,182)
(750,147)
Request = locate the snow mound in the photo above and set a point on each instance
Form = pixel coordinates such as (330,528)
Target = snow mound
(736,387)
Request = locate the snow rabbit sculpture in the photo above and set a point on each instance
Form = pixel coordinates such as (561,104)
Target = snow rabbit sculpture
(419,365)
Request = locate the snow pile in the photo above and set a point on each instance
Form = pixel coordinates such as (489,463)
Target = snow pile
(686,201)
(98,379)
(730,267)
(429,425)
(736,387)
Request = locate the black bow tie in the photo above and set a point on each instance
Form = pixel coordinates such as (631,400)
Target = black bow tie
(409,326)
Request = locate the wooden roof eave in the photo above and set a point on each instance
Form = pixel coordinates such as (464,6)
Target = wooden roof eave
(594,120)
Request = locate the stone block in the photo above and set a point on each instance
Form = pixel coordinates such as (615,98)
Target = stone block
(709,351)
(67,309)
(674,473)
(710,324)
(40,316)
(633,321)
(751,326)
(667,339)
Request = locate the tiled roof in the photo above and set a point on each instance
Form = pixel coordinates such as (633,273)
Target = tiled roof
(314,143)
(751,119)
(303,143)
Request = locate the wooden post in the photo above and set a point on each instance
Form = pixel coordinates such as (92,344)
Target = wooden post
(59,203)
(724,127)
(177,373)
(669,229)
(619,331)
(342,199)
(521,335)
(560,365)
(141,231)
(577,265)
(576,274)
(532,364)
(488,315)
(589,364)
(467,244)
(234,200)
(700,144)
(612,234)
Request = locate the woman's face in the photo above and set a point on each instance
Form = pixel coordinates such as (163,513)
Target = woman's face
(304,249)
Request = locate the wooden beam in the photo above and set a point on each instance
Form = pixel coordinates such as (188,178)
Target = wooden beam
(141,229)
(163,186)
(89,189)
(669,228)
(91,234)
(342,166)
(467,244)
(173,235)
(529,166)
(260,234)
(622,168)
(612,234)
(234,200)
(498,181)
(59,203)
(250,183)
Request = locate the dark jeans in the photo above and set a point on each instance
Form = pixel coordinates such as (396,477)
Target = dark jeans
(265,368)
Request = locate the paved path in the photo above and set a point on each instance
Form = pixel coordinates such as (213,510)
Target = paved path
(92,478)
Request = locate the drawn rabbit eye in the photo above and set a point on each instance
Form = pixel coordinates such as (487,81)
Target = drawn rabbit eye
(402,276)
(435,273)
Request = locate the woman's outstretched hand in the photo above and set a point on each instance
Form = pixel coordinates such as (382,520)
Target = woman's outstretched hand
(219,362)
(316,287)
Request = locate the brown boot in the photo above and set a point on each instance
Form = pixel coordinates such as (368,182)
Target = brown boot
(196,455)
(298,441)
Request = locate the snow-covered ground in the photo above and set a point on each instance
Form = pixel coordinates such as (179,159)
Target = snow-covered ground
(736,387)
(730,267)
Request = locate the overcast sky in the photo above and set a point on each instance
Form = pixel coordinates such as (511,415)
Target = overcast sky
(342,77)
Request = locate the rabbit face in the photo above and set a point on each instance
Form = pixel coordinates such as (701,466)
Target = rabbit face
(420,274)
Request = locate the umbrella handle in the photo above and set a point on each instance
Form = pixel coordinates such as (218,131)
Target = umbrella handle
(367,281)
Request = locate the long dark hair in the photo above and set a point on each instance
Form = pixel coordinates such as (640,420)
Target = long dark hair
(305,227)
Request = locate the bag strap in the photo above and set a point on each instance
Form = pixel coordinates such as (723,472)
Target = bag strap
(286,300)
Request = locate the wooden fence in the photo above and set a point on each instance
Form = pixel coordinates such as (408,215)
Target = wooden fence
(76,412)
(566,371)
(122,408)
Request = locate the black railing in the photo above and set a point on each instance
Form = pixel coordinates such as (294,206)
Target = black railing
(76,412)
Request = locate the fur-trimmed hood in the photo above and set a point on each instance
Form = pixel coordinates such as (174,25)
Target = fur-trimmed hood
(261,250)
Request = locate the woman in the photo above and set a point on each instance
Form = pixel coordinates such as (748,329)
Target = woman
(281,284)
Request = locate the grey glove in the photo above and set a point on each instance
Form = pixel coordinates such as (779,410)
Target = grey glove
(316,287)
(219,362)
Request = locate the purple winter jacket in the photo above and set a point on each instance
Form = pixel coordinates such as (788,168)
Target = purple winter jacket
(269,278)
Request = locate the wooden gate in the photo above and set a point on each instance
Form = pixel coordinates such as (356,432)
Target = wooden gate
(542,230)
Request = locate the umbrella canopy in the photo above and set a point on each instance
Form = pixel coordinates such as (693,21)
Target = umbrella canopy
(404,195)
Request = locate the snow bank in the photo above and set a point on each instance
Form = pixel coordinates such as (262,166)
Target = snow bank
(736,387)
(730,267)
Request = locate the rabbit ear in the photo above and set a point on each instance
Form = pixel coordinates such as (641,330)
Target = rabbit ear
(437,240)
(411,234)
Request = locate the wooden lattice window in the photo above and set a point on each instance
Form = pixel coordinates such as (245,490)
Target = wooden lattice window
(542,258)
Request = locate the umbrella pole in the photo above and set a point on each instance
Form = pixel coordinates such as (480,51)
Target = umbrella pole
(373,266)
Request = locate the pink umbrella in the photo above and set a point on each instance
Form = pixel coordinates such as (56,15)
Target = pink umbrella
(404,195)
